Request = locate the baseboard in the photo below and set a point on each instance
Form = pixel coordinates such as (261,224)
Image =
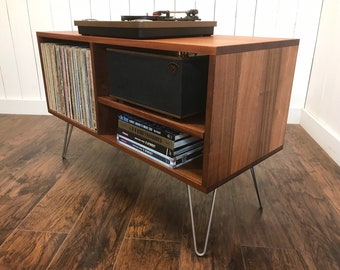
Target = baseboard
(328,140)
(37,107)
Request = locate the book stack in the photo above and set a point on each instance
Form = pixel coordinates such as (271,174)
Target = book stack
(69,82)
(167,146)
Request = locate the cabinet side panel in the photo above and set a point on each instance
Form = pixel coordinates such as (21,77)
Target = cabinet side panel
(250,101)
(223,84)
(282,101)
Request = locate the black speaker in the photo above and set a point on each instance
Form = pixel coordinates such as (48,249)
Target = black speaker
(172,84)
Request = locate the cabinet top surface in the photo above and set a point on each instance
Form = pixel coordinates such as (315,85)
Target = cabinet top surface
(211,45)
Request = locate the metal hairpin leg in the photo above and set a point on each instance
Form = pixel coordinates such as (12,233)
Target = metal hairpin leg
(68,133)
(193,223)
(255,184)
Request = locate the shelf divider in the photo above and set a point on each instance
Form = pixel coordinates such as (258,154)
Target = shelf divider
(192,125)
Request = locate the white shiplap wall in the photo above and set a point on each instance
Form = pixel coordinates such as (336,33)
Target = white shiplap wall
(21,86)
(321,115)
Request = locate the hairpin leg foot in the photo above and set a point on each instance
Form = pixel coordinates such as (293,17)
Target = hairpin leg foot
(255,184)
(68,133)
(200,254)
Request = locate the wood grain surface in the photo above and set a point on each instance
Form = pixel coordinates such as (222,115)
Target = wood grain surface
(247,118)
(212,45)
(249,84)
(104,209)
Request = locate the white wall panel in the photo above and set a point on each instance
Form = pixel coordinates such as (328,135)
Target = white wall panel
(307,23)
(206,10)
(286,17)
(39,12)
(323,99)
(276,18)
(138,7)
(100,10)
(23,47)
(2,87)
(266,18)
(165,5)
(61,15)
(118,8)
(40,20)
(80,10)
(245,17)
(8,64)
(321,116)
(184,5)
(225,15)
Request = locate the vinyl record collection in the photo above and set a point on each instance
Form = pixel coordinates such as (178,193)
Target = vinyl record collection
(167,146)
(69,82)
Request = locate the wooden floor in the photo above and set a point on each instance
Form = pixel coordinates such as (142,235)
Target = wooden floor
(102,209)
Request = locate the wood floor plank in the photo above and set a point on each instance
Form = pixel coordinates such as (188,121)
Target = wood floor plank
(4,233)
(272,259)
(23,188)
(29,250)
(63,204)
(318,208)
(267,227)
(94,241)
(30,165)
(148,254)
(27,169)
(28,136)
(159,211)
(297,213)
(26,176)
(324,169)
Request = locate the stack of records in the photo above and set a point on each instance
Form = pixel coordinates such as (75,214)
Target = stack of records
(69,82)
(167,146)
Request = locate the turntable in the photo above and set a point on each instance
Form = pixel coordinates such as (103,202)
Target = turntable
(164,15)
(159,25)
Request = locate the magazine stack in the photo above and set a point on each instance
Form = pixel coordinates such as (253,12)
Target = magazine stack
(167,146)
